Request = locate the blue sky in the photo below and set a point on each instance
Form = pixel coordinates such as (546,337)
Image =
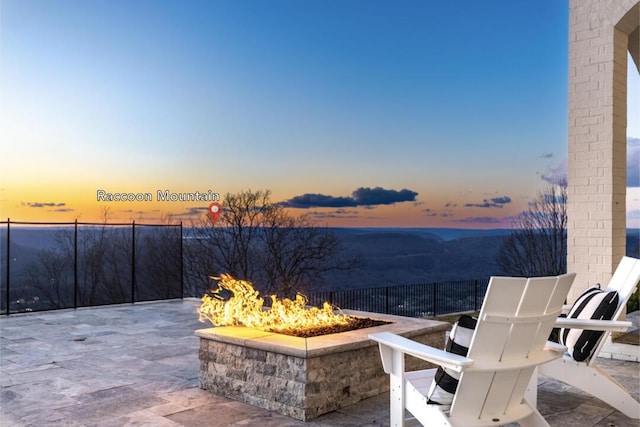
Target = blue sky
(435,113)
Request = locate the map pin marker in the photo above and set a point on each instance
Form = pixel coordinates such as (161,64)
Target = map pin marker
(214,211)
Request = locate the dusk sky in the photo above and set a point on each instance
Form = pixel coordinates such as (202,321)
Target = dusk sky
(359,113)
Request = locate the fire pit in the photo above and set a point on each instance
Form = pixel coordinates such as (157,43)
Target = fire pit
(260,356)
(304,377)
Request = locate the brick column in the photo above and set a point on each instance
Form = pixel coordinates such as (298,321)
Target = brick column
(597,159)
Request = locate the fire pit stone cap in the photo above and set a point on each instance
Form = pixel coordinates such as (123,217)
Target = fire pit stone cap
(321,345)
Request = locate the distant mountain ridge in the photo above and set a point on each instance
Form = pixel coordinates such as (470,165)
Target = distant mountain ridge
(398,256)
(390,256)
(441,233)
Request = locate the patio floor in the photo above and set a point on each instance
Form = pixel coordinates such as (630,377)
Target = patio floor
(137,365)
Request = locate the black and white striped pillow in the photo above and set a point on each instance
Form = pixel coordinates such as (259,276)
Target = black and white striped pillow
(445,382)
(594,303)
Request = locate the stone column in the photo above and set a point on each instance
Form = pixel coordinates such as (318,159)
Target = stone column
(597,162)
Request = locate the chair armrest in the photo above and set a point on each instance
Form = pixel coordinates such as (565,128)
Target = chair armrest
(593,324)
(555,347)
(415,349)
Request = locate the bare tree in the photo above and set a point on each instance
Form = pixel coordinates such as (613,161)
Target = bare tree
(258,240)
(51,279)
(104,259)
(158,263)
(231,244)
(103,255)
(104,267)
(299,252)
(238,231)
(537,246)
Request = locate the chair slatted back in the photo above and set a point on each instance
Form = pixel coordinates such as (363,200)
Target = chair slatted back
(624,280)
(514,324)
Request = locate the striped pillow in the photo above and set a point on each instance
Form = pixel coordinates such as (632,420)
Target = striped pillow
(594,303)
(445,382)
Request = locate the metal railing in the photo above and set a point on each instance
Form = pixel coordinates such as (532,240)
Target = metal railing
(416,300)
(80,264)
(84,264)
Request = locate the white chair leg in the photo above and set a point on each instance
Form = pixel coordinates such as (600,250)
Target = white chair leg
(534,420)
(607,389)
(531,395)
(596,382)
(396,390)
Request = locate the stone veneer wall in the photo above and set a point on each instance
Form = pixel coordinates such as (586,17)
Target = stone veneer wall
(301,388)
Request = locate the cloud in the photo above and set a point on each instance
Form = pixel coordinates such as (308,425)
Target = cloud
(480,219)
(501,200)
(319,201)
(63,210)
(363,196)
(633,214)
(547,156)
(43,205)
(496,202)
(430,212)
(633,162)
(191,213)
(380,196)
(557,174)
(441,213)
(196,211)
(338,213)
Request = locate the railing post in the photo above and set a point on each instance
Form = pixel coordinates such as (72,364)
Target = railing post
(181,262)
(386,300)
(475,294)
(75,265)
(8,266)
(434,299)
(133,261)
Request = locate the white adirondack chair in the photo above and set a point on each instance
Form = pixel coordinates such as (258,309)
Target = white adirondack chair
(509,341)
(587,375)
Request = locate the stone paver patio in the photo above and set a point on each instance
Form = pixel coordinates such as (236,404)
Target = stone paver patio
(137,365)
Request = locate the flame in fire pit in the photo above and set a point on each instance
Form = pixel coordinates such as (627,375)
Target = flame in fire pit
(246,308)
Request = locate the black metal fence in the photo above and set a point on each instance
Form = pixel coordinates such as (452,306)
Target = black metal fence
(418,300)
(46,266)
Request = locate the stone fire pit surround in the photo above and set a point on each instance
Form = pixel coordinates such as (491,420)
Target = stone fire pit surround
(304,378)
